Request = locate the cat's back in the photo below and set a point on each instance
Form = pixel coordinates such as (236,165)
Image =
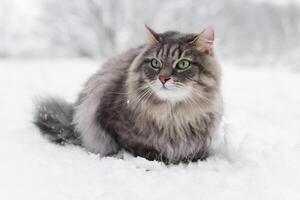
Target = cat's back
(116,66)
(109,74)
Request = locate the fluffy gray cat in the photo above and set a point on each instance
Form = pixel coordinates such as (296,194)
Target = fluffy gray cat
(160,101)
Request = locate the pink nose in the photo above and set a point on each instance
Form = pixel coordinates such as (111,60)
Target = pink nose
(164,79)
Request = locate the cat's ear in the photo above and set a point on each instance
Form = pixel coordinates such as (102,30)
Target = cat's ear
(204,41)
(152,37)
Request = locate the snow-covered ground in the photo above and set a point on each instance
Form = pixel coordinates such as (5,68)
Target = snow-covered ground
(256,154)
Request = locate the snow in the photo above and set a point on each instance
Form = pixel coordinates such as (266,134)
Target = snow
(255,154)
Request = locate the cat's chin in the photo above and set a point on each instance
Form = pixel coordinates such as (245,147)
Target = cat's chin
(173,95)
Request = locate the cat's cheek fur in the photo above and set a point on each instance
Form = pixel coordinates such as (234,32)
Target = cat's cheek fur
(171,93)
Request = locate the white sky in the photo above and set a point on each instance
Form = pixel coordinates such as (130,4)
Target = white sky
(280,2)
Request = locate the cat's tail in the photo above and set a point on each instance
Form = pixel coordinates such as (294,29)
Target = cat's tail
(54,119)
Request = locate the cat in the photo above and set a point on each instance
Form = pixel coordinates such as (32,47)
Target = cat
(161,101)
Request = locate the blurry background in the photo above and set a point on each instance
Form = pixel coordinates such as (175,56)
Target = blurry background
(256,32)
(51,47)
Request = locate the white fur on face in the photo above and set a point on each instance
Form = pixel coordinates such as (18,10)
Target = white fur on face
(171,91)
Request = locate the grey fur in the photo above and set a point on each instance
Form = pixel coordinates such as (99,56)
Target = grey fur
(94,138)
(54,118)
(118,107)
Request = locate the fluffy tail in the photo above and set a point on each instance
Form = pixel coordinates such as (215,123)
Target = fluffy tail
(54,119)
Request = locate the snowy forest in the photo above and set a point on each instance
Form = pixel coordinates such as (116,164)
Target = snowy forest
(252,31)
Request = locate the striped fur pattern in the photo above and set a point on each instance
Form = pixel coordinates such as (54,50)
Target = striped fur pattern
(124,105)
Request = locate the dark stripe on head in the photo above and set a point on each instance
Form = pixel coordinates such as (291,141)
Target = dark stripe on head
(174,50)
(180,53)
(157,52)
(167,49)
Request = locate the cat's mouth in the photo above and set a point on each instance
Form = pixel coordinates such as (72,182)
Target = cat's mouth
(171,92)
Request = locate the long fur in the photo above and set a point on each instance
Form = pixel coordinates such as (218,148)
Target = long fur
(54,119)
(120,106)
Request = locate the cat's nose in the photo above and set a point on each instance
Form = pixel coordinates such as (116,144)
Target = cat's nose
(164,79)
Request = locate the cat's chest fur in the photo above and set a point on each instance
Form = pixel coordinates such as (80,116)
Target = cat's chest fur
(161,132)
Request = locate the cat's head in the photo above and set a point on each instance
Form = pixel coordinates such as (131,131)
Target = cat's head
(175,67)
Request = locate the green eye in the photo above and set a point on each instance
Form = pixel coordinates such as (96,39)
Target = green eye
(155,63)
(183,64)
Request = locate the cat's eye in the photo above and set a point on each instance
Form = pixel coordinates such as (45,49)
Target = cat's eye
(155,63)
(183,64)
